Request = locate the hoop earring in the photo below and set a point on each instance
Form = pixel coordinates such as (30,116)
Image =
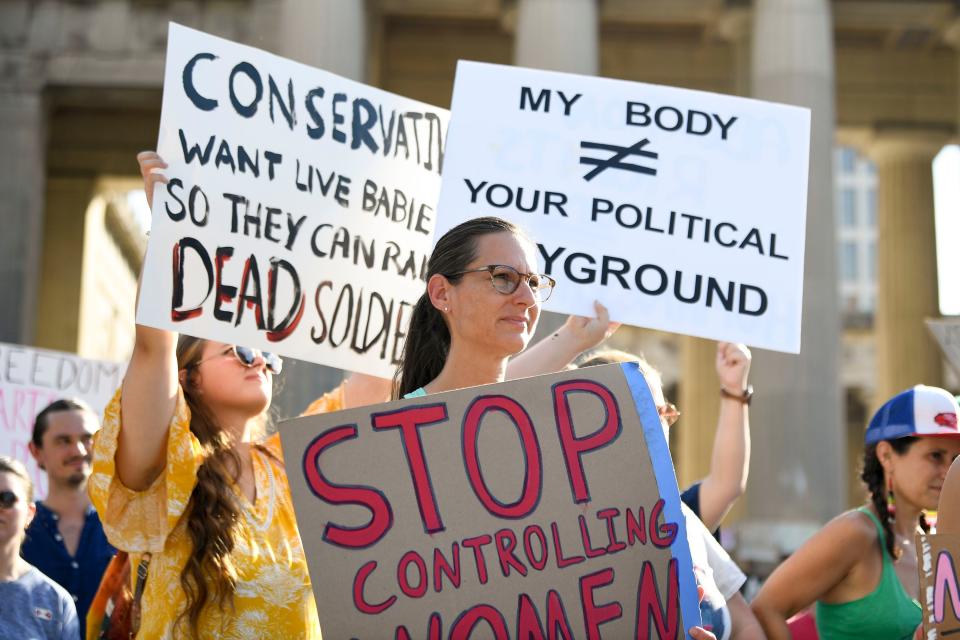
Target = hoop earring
(891,501)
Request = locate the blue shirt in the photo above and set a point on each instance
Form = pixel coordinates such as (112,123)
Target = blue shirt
(35,607)
(80,574)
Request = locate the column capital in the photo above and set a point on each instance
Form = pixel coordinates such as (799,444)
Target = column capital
(888,142)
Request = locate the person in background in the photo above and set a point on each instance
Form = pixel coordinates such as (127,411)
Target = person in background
(65,539)
(861,568)
(31,604)
(712,497)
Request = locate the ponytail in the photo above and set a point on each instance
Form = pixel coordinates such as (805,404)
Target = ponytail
(425,350)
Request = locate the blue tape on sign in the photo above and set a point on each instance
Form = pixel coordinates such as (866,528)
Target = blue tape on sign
(667,487)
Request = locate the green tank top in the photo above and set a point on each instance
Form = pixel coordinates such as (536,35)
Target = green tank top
(887,613)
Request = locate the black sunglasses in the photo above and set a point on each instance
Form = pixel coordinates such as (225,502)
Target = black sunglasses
(248,357)
(8,499)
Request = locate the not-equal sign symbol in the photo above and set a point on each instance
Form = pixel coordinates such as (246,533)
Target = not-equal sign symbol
(616,160)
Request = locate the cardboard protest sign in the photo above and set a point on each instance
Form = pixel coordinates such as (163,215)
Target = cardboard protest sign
(679,210)
(947,333)
(939,589)
(30,379)
(544,506)
(300,209)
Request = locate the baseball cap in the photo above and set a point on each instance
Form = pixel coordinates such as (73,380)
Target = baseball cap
(920,411)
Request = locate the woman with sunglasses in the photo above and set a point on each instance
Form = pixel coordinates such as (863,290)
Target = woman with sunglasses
(31,604)
(185,482)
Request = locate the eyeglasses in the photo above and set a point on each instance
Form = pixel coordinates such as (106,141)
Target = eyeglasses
(8,499)
(505,279)
(669,413)
(248,358)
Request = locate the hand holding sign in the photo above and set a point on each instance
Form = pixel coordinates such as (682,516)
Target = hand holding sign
(151,168)
(297,209)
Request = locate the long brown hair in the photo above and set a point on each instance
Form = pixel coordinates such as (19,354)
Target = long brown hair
(214,511)
(428,338)
(872,476)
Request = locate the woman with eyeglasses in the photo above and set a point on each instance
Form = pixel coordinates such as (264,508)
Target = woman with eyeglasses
(481,306)
(31,604)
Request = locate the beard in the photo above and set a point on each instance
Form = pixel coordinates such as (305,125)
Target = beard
(77,480)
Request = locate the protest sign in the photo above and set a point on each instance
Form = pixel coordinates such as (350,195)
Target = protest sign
(30,379)
(679,210)
(542,507)
(947,333)
(939,590)
(300,209)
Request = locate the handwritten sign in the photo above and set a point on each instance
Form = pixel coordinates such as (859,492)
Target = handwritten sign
(300,209)
(939,589)
(30,379)
(679,210)
(947,333)
(544,507)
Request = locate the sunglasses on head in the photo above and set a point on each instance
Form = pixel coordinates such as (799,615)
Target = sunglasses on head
(8,499)
(248,358)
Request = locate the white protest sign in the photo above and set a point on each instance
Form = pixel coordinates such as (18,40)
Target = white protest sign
(300,210)
(947,333)
(30,379)
(679,210)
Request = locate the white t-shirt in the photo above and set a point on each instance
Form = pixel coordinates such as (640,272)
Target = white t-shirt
(719,576)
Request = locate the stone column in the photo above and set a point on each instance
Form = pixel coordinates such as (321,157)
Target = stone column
(329,34)
(560,35)
(699,387)
(797,478)
(60,289)
(699,408)
(23,138)
(906,260)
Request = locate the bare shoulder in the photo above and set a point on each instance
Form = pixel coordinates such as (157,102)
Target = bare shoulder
(852,532)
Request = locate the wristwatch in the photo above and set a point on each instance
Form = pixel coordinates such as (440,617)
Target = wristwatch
(744,398)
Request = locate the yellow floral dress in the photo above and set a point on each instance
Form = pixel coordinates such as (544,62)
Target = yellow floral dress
(273,599)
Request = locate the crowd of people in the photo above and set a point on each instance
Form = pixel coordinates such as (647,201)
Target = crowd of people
(173,518)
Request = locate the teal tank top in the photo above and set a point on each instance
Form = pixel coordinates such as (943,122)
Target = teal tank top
(887,613)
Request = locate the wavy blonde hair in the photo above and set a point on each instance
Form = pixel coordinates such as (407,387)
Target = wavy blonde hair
(214,511)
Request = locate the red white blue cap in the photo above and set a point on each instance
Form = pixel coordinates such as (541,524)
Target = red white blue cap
(920,411)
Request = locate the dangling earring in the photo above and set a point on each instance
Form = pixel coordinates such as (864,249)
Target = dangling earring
(891,501)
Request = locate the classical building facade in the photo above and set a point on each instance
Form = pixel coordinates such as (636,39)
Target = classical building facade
(80,87)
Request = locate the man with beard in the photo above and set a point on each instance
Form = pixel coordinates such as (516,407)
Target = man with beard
(66,540)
